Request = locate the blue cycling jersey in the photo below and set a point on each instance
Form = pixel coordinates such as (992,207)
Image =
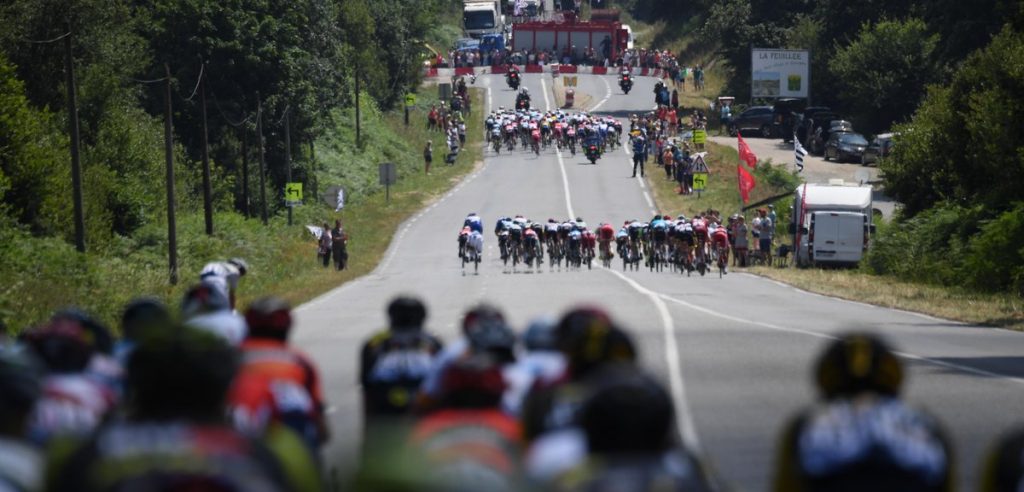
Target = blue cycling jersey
(474,223)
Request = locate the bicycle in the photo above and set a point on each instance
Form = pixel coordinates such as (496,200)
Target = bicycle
(722,260)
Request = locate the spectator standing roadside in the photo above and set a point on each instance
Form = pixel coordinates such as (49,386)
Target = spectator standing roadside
(766,233)
(325,243)
(339,246)
(428,156)
(739,231)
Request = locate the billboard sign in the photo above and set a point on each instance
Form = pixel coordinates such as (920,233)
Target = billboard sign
(780,73)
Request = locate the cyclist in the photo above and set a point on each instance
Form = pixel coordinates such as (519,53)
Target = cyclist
(394,362)
(605,235)
(479,318)
(474,222)
(862,436)
(622,240)
(700,234)
(72,401)
(206,307)
(174,440)
(468,439)
(720,243)
(269,367)
(515,238)
(531,246)
(628,424)
(659,235)
(590,340)
(575,241)
(588,241)
(540,363)
(225,276)
(687,241)
(20,388)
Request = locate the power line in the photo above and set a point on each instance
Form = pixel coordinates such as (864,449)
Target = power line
(199,80)
(228,119)
(46,41)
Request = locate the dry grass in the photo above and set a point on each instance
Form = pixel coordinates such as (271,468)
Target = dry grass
(1000,310)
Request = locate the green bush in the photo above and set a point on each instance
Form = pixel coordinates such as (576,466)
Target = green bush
(994,258)
(926,248)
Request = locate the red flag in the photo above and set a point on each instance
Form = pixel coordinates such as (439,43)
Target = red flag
(746,182)
(745,154)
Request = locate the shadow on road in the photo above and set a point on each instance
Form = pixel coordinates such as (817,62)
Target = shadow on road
(1008,366)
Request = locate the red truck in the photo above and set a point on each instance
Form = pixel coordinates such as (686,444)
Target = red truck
(557,35)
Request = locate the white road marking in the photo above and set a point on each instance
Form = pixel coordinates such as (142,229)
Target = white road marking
(905,355)
(608,92)
(684,416)
(565,184)
(544,89)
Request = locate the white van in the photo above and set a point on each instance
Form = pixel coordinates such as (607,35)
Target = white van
(832,223)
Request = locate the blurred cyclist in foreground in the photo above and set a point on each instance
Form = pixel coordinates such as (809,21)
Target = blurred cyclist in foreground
(862,436)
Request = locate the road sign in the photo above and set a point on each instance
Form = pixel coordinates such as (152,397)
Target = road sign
(388,173)
(388,176)
(700,181)
(700,136)
(293,194)
(699,166)
(410,100)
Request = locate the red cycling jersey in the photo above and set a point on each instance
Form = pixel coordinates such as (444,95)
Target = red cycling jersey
(606,232)
(720,238)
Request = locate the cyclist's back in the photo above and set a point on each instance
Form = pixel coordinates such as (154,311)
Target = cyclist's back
(862,436)
(175,440)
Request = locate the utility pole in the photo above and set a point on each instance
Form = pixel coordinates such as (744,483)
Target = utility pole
(76,165)
(172,235)
(207,192)
(356,74)
(288,158)
(263,171)
(245,171)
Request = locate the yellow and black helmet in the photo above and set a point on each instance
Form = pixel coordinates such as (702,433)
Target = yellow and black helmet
(858,363)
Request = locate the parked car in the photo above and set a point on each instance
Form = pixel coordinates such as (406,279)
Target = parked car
(878,149)
(845,146)
(754,118)
(786,113)
(805,127)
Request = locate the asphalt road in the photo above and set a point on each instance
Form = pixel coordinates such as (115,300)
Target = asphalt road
(736,352)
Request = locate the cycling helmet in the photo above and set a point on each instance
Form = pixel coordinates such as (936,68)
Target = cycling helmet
(406,312)
(100,336)
(143,314)
(540,335)
(203,298)
(858,363)
(269,317)
(493,336)
(240,264)
(479,314)
(589,339)
(629,412)
(63,345)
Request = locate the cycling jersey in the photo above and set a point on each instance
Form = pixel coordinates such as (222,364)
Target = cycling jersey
(70,404)
(865,443)
(606,232)
(474,223)
(720,238)
(152,456)
(393,366)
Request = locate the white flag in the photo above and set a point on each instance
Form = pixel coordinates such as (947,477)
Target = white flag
(341,200)
(800,153)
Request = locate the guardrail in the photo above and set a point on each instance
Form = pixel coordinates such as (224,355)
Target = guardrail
(501,69)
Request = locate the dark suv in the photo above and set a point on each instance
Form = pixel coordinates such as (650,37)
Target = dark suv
(812,116)
(754,118)
(787,113)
